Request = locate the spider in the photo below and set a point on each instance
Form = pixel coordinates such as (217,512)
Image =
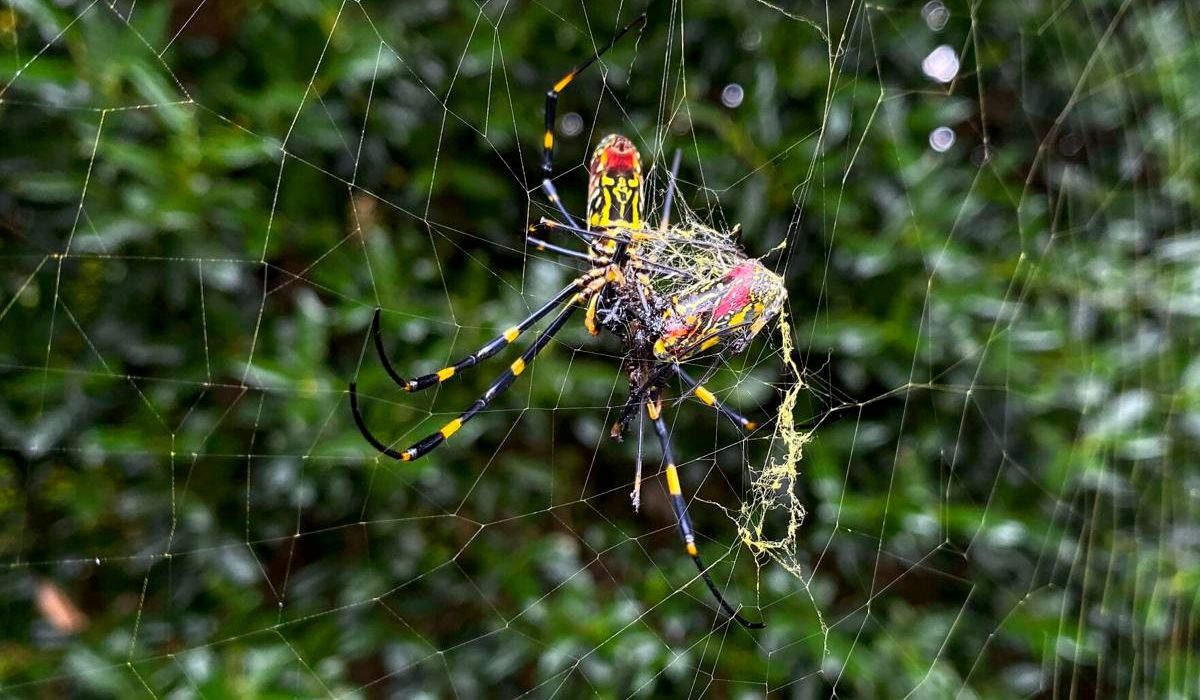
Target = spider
(669,294)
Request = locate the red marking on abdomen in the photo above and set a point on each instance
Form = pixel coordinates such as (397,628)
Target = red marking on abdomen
(677,329)
(739,279)
(618,160)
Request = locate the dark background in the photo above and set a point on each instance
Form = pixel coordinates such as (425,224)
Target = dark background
(202,203)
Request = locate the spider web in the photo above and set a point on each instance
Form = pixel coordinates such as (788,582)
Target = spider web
(976,476)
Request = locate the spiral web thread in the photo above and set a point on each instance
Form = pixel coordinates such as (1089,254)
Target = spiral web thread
(242,459)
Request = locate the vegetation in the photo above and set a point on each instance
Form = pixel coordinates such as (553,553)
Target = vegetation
(202,203)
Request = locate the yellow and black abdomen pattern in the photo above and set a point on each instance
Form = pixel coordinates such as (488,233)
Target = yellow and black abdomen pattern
(615,184)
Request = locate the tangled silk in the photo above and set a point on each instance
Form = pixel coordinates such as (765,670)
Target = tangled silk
(770,518)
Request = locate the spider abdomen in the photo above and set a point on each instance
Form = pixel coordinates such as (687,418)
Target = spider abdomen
(724,314)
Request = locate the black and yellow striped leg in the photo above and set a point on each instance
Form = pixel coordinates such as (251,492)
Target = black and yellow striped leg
(552,94)
(489,349)
(708,398)
(426,445)
(654,410)
(637,398)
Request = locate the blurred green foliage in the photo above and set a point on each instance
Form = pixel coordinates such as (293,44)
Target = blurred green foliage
(202,202)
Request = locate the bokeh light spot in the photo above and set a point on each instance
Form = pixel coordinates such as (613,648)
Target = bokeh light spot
(935,14)
(941,139)
(941,64)
(732,95)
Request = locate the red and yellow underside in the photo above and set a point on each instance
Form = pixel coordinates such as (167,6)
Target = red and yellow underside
(730,311)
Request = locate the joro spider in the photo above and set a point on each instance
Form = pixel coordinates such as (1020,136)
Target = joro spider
(671,293)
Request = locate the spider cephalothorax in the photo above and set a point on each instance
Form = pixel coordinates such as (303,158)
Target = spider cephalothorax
(668,293)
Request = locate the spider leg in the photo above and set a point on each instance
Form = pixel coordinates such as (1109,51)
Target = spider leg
(543,245)
(654,410)
(707,397)
(670,196)
(586,234)
(636,494)
(612,273)
(427,444)
(552,195)
(643,285)
(552,225)
(589,319)
(489,349)
(623,234)
(637,398)
(563,82)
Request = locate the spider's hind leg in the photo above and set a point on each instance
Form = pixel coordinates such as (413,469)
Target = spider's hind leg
(707,397)
(552,195)
(654,411)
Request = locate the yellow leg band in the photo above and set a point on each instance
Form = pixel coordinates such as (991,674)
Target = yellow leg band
(451,428)
(705,395)
(511,334)
(444,374)
(691,549)
(673,481)
(518,367)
